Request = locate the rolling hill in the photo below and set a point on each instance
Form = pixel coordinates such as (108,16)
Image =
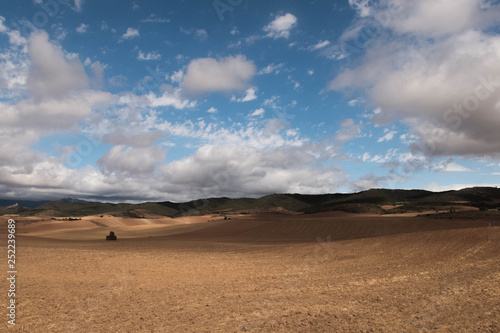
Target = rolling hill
(376,201)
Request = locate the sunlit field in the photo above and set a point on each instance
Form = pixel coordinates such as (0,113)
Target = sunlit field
(333,272)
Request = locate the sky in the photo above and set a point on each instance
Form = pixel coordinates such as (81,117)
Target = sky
(176,100)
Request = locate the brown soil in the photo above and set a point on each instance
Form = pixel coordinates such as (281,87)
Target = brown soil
(328,272)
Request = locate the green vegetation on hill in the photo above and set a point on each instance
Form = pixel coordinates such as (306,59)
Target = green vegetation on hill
(370,201)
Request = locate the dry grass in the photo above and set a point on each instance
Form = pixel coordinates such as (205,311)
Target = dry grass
(267,273)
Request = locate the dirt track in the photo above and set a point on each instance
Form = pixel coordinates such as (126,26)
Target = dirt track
(267,273)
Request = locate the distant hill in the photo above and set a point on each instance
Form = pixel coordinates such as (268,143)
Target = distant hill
(380,201)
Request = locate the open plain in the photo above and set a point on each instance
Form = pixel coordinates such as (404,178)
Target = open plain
(269,272)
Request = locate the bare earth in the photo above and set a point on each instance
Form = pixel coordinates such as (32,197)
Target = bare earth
(328,272)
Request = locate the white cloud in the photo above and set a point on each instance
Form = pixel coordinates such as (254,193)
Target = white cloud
(130,33)
(361,6)
(250,40)
(201,34)
(153,18)
(319,45)
(131,160)
(280,27)
(450,166)
(368,182)
(445,87)
(348,130)
(257,113)
(271,68)
(310,72)
(212,110)
(249,95)
(443,17)
(353,102)
(170,97)
(97,75)
(423,18)
(3,28)
(148,56)
(387,137)
(51,75)
(14,64)
(15,38)
(82,28)
(60,33)
(177,76)
(234,45)
(118,80)
(238,171)
(435,187)
(78,5)
(211,75)
(130,138)
(24,123)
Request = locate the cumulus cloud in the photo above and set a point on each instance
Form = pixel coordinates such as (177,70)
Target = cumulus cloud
(363,7)
(56,99)
(82,28)
(437,73)
(455,187)
(239,171)
(245,161)
(280,27)
(130,33)
(249,95)
(153,18)
(117,80)
(148,56)
(211,75)
(387,136)
(97,75)
(54,114)
(257,113)
(271,68)
(131,160)
(201,35)
(237,160)
(51,75)
(319,45)
(3,28)
(177,76)
(169,96)
(14,64)
(144,139)
(437,18)
(368,182)
(450,166)
(348,130)
(78,5)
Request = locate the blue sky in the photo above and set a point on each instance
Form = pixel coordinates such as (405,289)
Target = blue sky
(176,100)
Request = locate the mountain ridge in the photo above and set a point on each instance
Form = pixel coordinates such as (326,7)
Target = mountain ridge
(369,201)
